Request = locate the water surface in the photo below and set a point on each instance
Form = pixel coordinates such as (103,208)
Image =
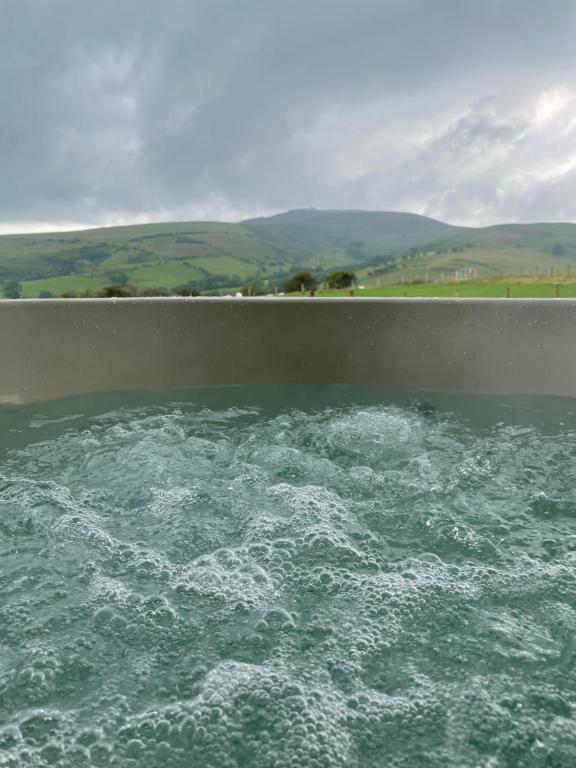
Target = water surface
(288,577)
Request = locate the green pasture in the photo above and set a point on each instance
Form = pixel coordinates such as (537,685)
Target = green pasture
(489,289)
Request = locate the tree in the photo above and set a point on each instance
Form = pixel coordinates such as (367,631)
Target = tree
(155,291)
(558,250)
(45,295)
(340,279)
(116,291)
(184,290)
(12,289)
(301,281)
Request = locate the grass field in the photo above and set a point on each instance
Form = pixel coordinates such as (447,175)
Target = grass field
(515,288)
(486,262)
(154,255)
(167,274)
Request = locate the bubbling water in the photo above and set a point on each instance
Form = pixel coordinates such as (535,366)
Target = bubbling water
(348,585)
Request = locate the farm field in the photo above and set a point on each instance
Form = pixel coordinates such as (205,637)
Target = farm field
(529,288)
(169,274)
(513,287)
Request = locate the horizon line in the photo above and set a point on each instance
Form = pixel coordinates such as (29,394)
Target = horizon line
(45,228)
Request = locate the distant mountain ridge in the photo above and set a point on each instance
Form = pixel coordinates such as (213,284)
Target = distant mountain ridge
(356,235)
(213,255)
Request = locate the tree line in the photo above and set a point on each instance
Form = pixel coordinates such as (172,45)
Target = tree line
(306,281)
(13,290)
(297,283)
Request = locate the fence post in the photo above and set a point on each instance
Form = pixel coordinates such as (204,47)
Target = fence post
(508,292)
(557,293)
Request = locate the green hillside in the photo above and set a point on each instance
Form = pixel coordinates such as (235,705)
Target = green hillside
(208,255)
(349,237)
(508,249)
(145,256)
(380,247)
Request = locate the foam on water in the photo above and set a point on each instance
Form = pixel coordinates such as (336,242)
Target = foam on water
(337,581)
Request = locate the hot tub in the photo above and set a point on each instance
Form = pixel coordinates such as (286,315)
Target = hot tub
(289,534)
(52,348)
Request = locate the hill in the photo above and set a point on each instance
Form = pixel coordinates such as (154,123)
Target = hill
(506,249)
(349,237)
(209,255)
(212,255)
(205,254)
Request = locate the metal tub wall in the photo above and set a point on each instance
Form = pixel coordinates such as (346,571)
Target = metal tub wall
(53,348)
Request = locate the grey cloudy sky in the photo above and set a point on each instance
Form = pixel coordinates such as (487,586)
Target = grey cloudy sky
(141,110)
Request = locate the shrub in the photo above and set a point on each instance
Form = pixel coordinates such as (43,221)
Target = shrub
(185,291)
(301,281)
(340,279)
(155,292)
(12,289)
(116,291)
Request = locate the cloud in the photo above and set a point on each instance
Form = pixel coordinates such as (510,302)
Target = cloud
(139,110)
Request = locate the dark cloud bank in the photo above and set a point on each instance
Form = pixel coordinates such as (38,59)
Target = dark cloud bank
(135,110)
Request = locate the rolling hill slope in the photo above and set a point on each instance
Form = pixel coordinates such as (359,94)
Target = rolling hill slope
(145,255)
(209,255)
(499,250)
(349,237)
